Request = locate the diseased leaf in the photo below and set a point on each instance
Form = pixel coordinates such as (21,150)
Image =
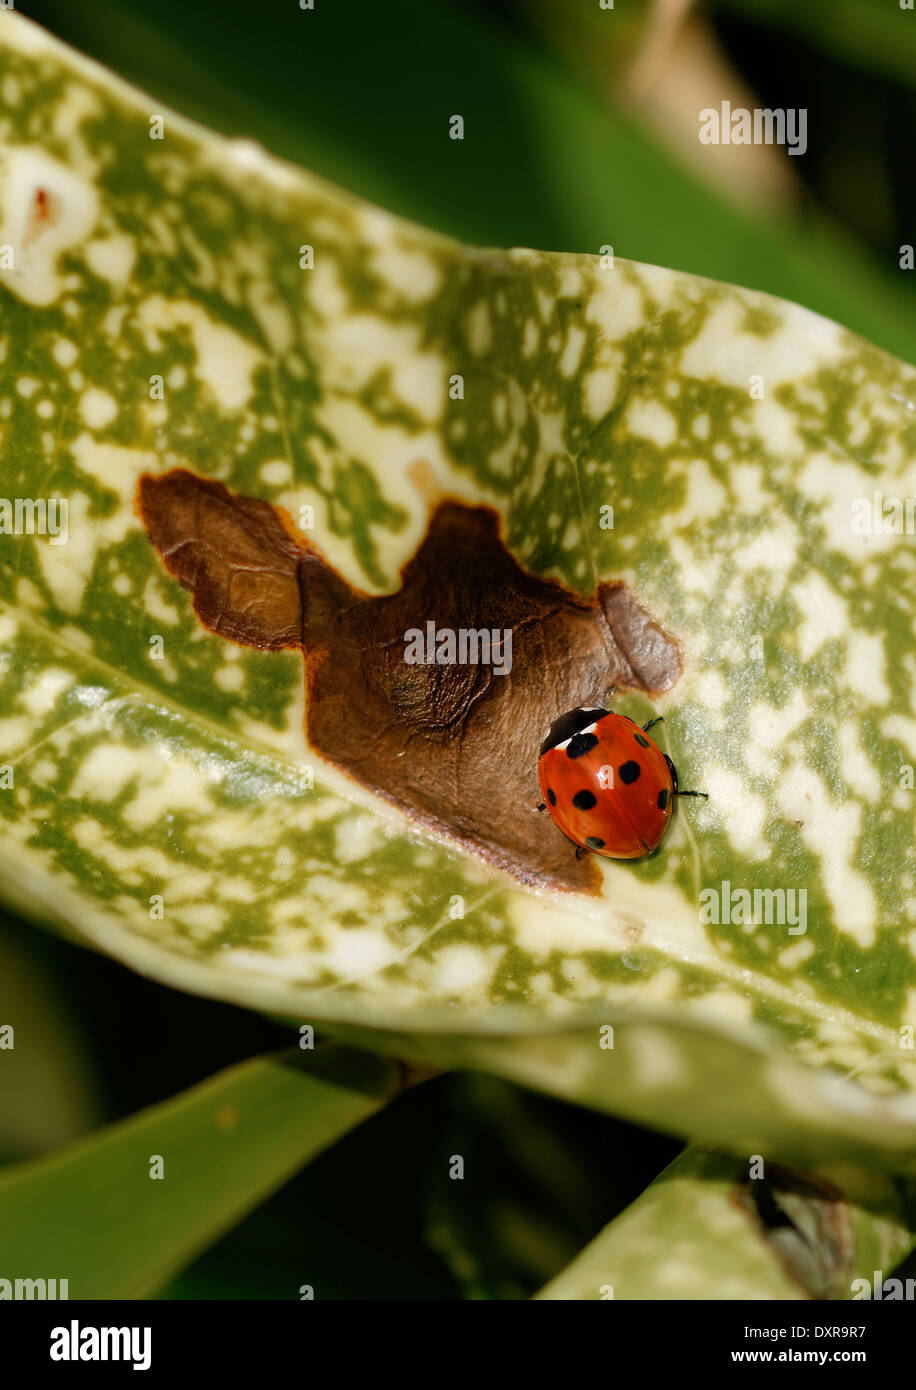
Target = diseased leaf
(807,1223)
(164,793)
(452,742)
(704,1230)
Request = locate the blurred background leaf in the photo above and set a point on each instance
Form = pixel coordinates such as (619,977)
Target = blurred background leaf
(114,1230)
(362,93)
(865,33)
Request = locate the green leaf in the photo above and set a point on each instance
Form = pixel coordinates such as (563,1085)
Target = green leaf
(113,1229)
(682,1070)
(701,1231)
(164,808)
(864,34)
(573,170)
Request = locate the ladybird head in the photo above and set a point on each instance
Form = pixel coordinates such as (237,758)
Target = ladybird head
(563,729)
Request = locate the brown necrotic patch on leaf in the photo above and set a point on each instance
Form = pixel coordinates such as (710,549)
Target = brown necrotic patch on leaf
(453,745)
(808,1223)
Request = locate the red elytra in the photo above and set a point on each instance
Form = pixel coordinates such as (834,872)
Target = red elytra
(607,784)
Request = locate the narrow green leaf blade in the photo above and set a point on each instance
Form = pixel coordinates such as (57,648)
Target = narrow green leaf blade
(93,1214)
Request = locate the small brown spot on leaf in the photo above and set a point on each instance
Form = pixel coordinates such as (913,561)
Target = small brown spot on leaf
(45,211)
(227,1118)
(455,745)
(424,479)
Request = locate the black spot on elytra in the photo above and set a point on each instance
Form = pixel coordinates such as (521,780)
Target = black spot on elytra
(641,740)
(584,800)
(568,724)
(580,744)
(551,796)
(593,842)
(629,772)
(663,798)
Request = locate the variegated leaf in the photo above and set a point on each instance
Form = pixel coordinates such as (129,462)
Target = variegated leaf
(160,308)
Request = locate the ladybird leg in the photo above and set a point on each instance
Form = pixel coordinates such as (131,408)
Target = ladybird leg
(651,722)
(543,806)
(579,851)
(673,770)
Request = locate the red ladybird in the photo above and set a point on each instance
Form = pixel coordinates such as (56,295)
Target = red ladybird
(607,785)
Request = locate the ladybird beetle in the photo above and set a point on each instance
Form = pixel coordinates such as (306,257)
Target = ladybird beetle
(607,785)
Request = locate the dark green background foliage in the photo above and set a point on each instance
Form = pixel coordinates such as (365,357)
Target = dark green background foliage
(359,92)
